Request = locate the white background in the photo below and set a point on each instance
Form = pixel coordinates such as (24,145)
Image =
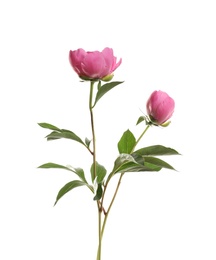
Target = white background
(167,45)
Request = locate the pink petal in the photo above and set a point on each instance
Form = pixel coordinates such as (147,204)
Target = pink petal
(93,65)
(76,58)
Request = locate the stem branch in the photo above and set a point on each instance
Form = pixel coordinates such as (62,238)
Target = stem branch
(116,190)
(111,203)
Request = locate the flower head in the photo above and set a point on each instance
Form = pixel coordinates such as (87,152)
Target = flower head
(94,65)
(160,107)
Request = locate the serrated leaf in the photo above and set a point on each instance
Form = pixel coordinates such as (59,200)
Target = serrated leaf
(78,171)
(156,150)
(68,187)
(105,88)
(127,142)
(99,192)
(158,162)
(100,172)
(49,126)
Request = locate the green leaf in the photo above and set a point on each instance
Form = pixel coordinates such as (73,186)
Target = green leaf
(99,85)
(127,163)
(87,142)
(138,158)
(127,142)
(49,126)
(100,172)
(64,134)
(133,167)
(105,88)
(99,192)
(157,162)
(78,171)
(54,136)
(68,187)
(121,160)
(156,150)
(140,119)
(60,133)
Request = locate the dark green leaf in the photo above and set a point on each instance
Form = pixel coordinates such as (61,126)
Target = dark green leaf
(99,85)
(157,162)
(68,187)
(99,192)
(135,167)
(64,134)
(105,88)
(78,171)
(127,163)
(100,172)
(127,142)
(121,160)
(138,158)
(60,133)
(156,150)
(54,136)
(49,126)
(53,165)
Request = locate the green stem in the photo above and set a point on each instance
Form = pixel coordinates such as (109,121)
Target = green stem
(94,163)
(92,126)
(147,127)
(110,206)
(99,234)
(116,190)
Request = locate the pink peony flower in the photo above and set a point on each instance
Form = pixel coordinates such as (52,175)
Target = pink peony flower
(94,65)
(160,107)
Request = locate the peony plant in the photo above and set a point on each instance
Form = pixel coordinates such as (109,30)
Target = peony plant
(98,68)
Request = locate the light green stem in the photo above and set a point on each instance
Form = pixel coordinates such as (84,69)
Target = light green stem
(94,163)
(99,234)
(101,228)
(147,127)
(92,126)
(111,203)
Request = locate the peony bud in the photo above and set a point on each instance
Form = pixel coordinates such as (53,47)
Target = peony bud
(160,107)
